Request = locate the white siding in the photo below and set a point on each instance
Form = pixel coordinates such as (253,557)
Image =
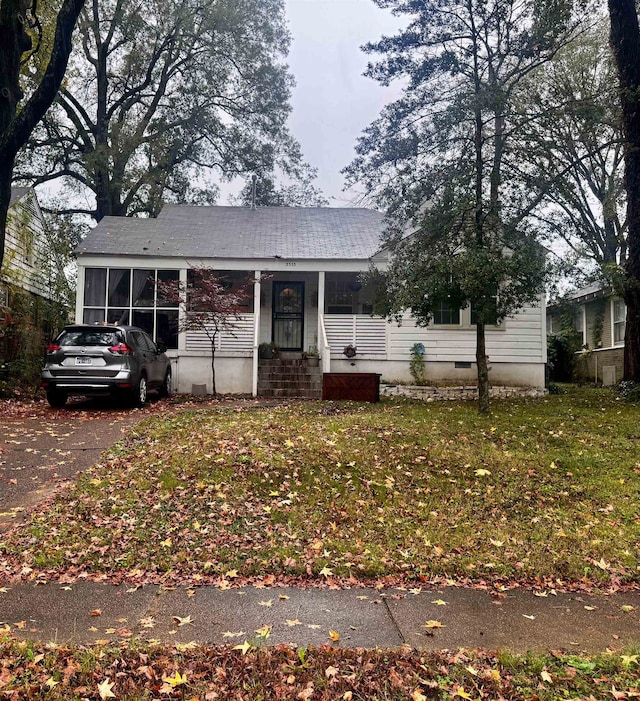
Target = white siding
(26,263)
(241,339)
(517,339)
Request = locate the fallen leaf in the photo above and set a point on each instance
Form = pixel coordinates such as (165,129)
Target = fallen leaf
(183,621)
(177,680)
(330,671)
(96,612)
(293,622)
(433,624)
(334,635)
(104,689)
(546,677)
(531,618)
(439,602)
(245,647)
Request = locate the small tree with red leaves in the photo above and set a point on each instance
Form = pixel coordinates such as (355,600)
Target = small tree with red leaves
(211,302)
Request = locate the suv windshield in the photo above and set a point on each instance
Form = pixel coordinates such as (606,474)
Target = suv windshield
(89,337)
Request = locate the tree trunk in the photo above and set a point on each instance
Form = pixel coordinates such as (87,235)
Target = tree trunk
(14,41)
(213,367)
(483,369)
(16,126)
(625,43)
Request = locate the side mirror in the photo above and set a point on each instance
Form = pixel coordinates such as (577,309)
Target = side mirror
(162,347)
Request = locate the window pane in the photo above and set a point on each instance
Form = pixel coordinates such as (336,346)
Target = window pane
(118,316)
(445,313)
(144,320)
(95,285)
(143,288)
(167,328)
(93,316)
(166,276)
(119,287)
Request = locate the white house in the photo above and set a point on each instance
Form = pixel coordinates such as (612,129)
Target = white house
(305,263)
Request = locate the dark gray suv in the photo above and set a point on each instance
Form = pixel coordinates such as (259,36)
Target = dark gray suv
(88,360)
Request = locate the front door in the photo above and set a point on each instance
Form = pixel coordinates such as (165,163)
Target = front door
(288,315)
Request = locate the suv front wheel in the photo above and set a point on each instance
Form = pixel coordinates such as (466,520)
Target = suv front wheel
(165,390)
(139,394)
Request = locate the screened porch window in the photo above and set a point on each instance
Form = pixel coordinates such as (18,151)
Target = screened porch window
(232,281)
(345,293)
(129,296)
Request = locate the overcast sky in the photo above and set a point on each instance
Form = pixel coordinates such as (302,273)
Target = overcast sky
(332,101)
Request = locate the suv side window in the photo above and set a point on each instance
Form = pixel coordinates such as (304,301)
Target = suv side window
(149,342)
(138,341)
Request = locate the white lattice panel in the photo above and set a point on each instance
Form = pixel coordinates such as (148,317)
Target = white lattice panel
(241,339)
(367,334)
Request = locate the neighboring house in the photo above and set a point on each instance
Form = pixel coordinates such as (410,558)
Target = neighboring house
(599,318)
(305,263)
(25,256)
(27,288)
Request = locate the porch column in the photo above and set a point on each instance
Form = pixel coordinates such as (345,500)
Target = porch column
(256,331)
(325,361)
(320,310)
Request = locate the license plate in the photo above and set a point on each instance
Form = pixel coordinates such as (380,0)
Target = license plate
(80,360)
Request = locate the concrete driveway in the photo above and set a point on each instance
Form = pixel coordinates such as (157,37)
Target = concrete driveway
(41,448)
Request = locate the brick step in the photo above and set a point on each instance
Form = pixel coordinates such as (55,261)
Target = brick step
(265,386)
(279,375)
(290,393)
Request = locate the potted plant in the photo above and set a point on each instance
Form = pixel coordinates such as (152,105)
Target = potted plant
(312,356)
(267,351)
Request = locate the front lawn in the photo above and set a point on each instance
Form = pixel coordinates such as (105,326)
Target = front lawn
(135,672)
(542,489)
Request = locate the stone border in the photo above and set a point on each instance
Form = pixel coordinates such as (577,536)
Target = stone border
(464,392)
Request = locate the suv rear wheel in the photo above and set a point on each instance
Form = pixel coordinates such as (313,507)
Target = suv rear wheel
(56,398)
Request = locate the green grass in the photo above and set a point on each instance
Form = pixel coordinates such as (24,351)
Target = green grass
(136,672)
(543,489)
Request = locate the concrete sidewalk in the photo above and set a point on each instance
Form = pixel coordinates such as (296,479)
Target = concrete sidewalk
(88,612)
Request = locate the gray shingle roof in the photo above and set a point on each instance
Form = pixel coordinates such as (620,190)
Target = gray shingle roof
(241,232)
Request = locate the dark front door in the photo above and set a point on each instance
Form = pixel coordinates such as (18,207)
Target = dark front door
(288,315)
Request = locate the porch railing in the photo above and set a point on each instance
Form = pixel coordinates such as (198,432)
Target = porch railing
(367,334)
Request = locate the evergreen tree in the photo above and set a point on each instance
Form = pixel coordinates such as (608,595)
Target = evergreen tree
(440,158)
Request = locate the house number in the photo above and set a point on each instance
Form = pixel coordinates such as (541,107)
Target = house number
(290,264)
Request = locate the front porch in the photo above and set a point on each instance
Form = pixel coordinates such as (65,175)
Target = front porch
(291,312)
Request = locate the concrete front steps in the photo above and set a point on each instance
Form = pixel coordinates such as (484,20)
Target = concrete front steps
(289,376)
